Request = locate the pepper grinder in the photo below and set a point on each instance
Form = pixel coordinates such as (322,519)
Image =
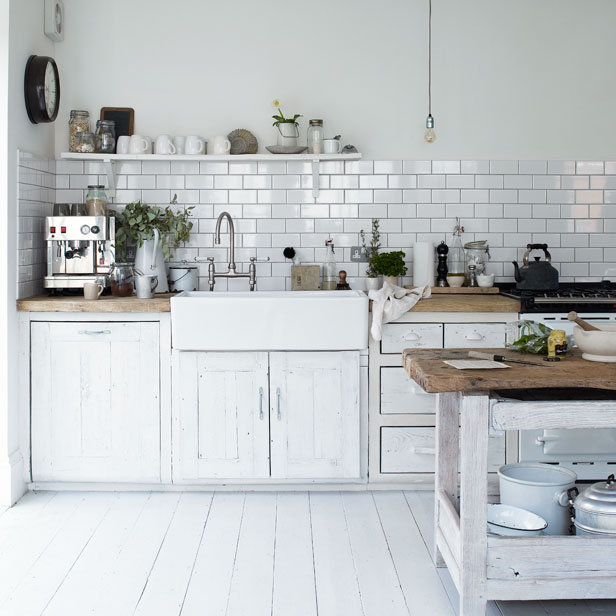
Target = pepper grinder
(342,285)
(441,250)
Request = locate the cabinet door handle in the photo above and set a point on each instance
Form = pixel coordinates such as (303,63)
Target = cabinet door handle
(476,336)
(261,403)
(411,336)
(92,332)
(278,402)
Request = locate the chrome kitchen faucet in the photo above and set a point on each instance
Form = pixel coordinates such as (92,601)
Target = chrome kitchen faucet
(232,272)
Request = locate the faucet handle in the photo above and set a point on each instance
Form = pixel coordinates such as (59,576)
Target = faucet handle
(203,260)
(255,260)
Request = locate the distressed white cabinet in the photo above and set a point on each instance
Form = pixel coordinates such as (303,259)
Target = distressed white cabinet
(95,401)
(258,415)
(223,406)
(314,415)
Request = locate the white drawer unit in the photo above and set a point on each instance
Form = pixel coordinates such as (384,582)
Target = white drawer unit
(400,395)
(474,335)
(411,450)
(400,336)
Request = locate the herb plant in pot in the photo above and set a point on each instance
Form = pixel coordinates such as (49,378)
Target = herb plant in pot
(156,231)
(390,265)
(372,280)
(288,128)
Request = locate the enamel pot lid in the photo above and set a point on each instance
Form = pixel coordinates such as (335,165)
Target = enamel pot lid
(599,498)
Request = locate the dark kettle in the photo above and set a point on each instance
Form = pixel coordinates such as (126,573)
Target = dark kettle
(536,275)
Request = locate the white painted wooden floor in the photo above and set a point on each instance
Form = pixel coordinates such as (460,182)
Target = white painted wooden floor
(281,554)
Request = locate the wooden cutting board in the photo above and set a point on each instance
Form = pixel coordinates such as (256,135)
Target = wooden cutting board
(462,290)
(426,367)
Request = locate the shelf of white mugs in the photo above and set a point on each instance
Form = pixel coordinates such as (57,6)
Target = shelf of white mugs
(210,157)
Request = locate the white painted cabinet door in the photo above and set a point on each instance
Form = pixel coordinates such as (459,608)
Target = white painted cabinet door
(223,416)
(95,401)
(315,424)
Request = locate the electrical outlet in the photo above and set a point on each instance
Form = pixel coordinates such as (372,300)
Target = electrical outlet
(358,254)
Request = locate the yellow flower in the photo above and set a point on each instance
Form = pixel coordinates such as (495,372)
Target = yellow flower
(276,102)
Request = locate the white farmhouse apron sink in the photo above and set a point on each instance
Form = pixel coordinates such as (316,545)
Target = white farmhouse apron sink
(269,321)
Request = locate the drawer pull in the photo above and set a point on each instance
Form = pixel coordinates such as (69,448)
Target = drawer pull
(411,336)
(427,451)
(95,332)
(278,414)
(261,403)
(474,336)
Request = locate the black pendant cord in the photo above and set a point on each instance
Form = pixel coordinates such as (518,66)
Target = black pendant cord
(429,57)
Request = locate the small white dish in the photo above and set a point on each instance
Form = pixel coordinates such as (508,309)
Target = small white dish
(509,521)
(485,280)
(455,281)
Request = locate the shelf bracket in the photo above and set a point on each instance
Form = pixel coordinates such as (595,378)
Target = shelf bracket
(316,184)
(111,181)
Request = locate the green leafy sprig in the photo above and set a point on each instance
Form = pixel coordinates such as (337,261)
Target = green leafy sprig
(373,250)
(390,264)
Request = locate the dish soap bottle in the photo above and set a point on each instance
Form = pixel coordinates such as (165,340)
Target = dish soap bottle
(455,261)
(330,277)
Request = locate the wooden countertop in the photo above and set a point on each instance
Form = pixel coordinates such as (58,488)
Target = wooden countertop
(106,303)
(467,303)
(426,367)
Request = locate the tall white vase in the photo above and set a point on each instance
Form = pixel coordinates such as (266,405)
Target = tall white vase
(150,260)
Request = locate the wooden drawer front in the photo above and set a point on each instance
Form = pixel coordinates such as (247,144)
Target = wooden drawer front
(400,336)
(401,395)
(474,335)
(411,450)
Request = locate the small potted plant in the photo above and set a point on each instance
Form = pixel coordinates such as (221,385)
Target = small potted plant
(288,131)
(372,280)
(390,265)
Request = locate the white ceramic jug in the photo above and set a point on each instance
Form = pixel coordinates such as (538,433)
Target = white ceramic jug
(150,260)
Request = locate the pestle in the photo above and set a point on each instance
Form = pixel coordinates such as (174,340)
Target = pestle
(573,316)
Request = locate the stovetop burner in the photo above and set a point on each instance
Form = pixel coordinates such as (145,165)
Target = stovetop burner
(590,296)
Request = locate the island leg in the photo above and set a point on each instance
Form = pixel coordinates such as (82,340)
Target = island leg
(446,471)
(473,503)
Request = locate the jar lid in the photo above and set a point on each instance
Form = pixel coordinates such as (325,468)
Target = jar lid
(79,112)
(600,497)
(180,266)
(316,122)
(477,245)
(96,186)
(105,122)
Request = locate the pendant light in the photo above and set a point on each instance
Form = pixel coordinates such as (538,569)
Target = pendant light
(430,135)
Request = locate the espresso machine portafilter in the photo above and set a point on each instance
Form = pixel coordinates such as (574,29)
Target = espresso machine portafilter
(80,249)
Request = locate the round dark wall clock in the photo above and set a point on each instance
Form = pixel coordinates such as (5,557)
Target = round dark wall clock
(42,89)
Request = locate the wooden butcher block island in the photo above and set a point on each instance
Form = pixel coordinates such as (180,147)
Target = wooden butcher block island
(572,393)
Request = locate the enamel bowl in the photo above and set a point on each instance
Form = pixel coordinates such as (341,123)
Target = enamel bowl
(509,521)
(597,345)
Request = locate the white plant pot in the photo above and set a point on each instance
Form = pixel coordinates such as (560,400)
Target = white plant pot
(391,280)
(287,134)
(372,284)
(149,259)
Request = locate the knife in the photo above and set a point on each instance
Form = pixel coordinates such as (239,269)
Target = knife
(502,358)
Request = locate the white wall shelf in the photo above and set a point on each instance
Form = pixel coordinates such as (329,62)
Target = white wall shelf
(109,159)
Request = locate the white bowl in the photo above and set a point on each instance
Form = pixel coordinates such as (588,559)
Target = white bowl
(485,280)
(597,345)
(455,281)
(509,521)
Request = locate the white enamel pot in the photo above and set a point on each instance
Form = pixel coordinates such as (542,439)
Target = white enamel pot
(540,488)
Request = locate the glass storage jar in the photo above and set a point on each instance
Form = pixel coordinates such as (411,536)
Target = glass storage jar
(79,122)
(84,143)
(122,279)
(105,136)
(315,137)
(478,254)
(96,200)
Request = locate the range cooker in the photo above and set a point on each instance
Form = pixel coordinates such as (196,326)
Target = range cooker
(589,453)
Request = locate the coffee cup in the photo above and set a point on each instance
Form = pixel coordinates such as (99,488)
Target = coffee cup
(145,285)
(92,290)
(138,145)
(164,145)
(123,144)
(194,145)
(485,280)
(332,146)
(218,145)
(180,144)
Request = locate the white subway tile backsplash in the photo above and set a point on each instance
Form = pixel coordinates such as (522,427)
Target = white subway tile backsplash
(445,166)
(475,166)
(504,166)
(221,182)
(532,166)
(388,166)
(589,167)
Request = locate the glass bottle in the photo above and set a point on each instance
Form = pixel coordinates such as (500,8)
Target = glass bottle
(455,260)
(96,200)
(315,137)
(122,278)
(79,122)
(330,276)
(105,136)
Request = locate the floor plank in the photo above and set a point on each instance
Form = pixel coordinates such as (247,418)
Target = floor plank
(416,573)
(294,581)
(252,583)
(337,586)
(210,583)
(378,582)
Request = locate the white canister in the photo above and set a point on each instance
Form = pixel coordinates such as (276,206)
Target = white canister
(540,488)
(183,277)
(423,264)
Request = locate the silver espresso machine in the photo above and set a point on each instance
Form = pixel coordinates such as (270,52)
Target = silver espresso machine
(80,249)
